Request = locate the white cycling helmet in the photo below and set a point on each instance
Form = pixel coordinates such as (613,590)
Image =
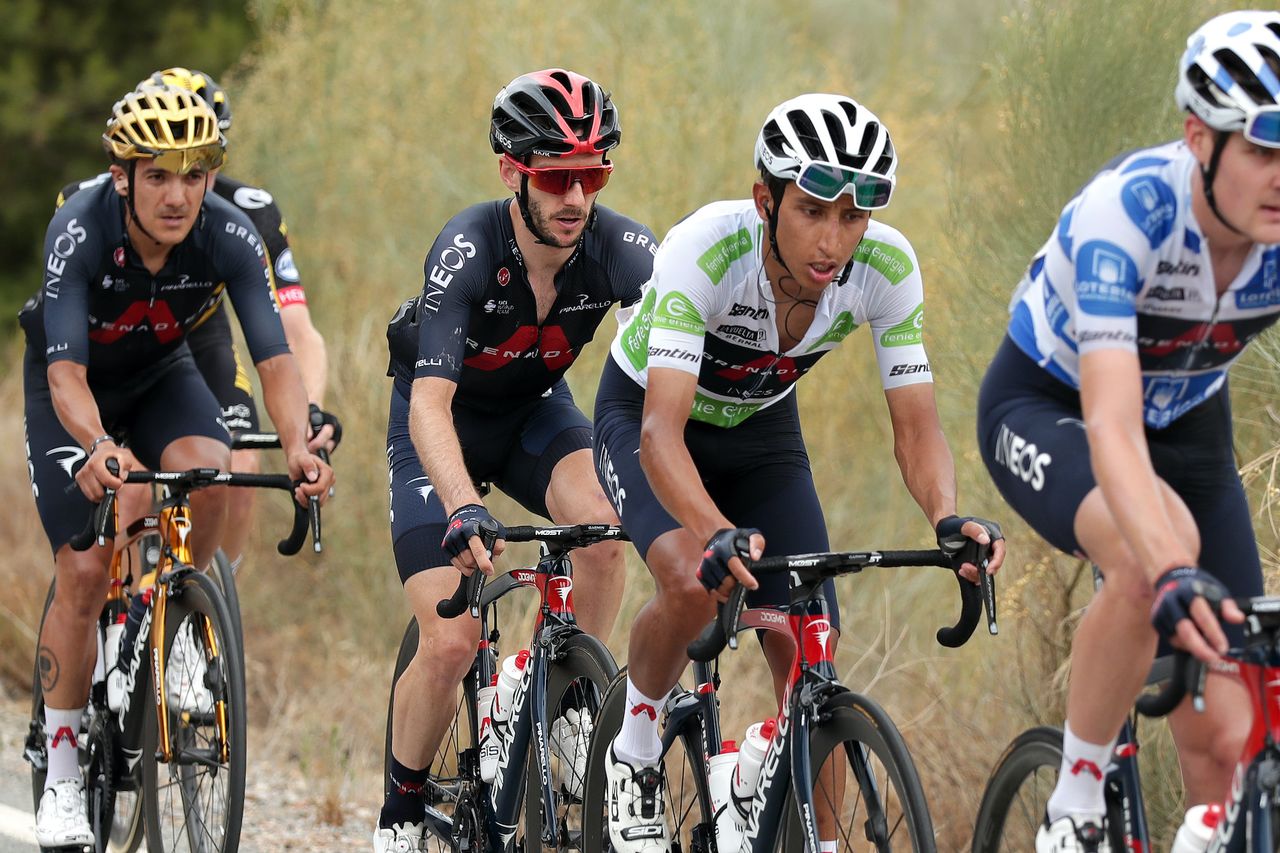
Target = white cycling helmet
(1229,75)
(829,144)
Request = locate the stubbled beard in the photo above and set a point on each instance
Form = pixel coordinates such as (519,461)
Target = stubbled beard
(543,222)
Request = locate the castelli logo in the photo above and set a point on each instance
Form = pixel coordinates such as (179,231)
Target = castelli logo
(504,276)
(118,257)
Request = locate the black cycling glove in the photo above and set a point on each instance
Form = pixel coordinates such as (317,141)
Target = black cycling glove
(723,546)
(465,523)
(960,548)
(1176,589)
(319,417)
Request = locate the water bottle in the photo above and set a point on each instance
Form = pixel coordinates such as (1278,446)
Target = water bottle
(747,772)
(489,746)
(126,662)
(508,678)
(111,657)
(720,782)
(1197,829)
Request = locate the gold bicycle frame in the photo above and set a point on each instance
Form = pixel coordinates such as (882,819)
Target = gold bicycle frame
(174,526)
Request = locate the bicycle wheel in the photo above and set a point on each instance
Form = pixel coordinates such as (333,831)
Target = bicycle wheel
(115,809)
(226,577)
(1013,804)
(576,682)
(687,799)
(195,802)
(451,789)
(870,788)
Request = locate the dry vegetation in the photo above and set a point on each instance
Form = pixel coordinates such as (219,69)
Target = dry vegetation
(368,121)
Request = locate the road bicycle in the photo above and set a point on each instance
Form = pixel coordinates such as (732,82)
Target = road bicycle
(835,753)
(1013,805)
(168,760)
(535,799)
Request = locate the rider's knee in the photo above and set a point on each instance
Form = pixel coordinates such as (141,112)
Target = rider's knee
(82,585)
(246,461)
(446,651)
(1130,585)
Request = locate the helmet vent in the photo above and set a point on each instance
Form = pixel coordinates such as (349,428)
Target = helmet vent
(1243,75)
(807,135)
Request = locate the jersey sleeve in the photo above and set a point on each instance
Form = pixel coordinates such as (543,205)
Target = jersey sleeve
(895,310)
(453,281)
(681,296)
(70,247)
(1111,237)
(241,261)
(632,248)
(262,210)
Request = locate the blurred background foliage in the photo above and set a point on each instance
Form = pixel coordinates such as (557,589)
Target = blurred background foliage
(367,119)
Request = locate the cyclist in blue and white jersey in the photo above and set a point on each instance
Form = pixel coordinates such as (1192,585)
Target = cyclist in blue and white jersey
(697,433)
(1159,273)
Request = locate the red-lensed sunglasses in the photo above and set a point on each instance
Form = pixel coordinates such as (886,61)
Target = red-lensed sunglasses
(557,180)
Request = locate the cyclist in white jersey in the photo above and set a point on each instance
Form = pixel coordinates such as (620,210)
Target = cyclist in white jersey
(697,434)
(1159,273)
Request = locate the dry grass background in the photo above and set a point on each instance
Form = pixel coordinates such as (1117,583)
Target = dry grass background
(367,119)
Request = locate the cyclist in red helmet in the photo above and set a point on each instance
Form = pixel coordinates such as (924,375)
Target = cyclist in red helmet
(513,290)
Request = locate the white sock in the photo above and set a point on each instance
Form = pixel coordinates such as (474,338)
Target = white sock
(1079,790)
(62,740)
(827,846)
(638,743)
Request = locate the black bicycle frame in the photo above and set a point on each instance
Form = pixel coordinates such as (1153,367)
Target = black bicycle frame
(528,715)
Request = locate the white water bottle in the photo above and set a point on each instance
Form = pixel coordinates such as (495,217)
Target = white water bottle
(111,656)
(1197,829)
(508,679)
(720,770)
(489,746)
(747,772)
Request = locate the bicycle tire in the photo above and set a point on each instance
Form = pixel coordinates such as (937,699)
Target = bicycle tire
(853,721)
(447,786)
(226,577)
(1035,750)
(114,813)
(688,799)
(196,801)
(578,679)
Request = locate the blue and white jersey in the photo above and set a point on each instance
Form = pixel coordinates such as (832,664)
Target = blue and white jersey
(1128,268)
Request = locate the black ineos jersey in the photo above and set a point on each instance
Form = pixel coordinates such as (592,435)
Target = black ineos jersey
(102,308)
(476,320)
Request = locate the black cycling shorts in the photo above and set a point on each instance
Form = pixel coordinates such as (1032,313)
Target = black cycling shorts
(220,364)
(516,452)
(169,402)
(757,473)
(1032,439)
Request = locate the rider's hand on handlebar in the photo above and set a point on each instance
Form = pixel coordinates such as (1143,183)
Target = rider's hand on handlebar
(94,478)
(1186,599)
(954,530)
(462,541)
(722,567)
(325,430)
(313,475)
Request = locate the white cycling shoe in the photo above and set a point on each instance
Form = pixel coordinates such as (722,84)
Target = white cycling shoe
(63,817)
(400,838)
(1081,834)
(570,740)
(637,807)
(185,673)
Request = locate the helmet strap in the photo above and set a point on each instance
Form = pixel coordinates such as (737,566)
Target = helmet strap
(1208,173)
(522,200)
(133,211)
(778,188)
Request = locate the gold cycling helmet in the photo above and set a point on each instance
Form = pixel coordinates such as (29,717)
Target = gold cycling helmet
(167,124)
(200,83)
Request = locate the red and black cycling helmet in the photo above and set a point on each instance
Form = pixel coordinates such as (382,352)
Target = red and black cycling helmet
(554,113)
